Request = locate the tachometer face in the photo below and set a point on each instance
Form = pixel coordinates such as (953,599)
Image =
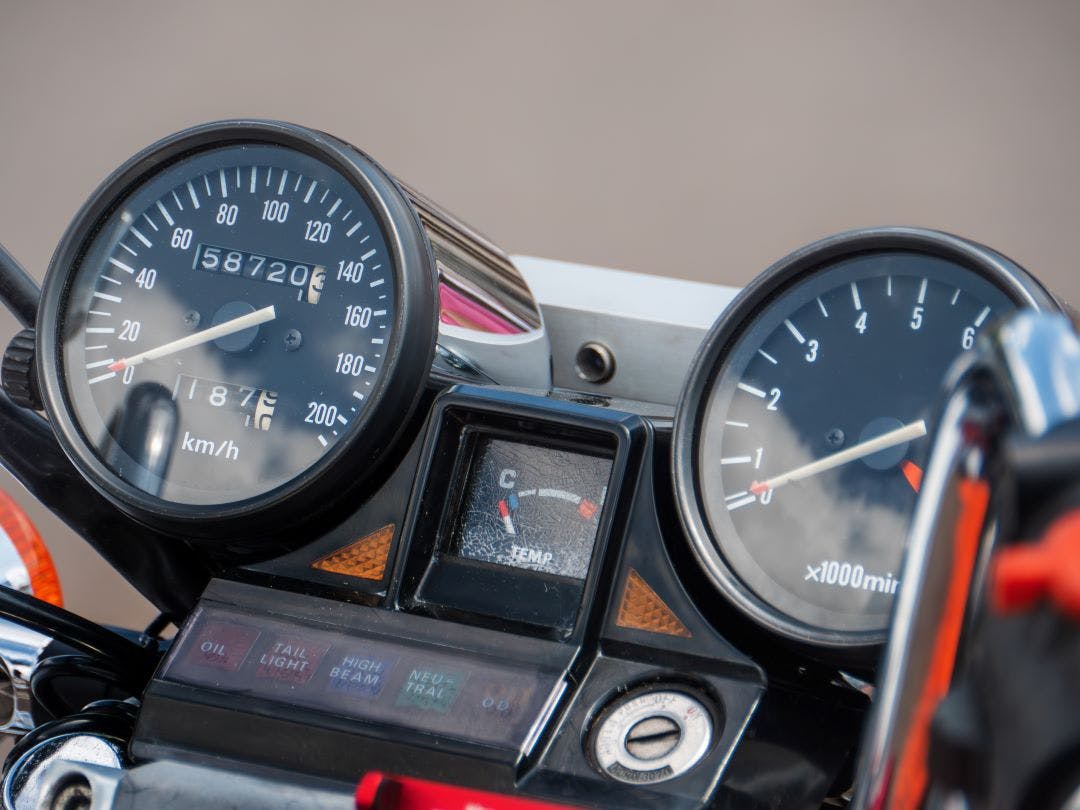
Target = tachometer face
(813,429)
(230,321)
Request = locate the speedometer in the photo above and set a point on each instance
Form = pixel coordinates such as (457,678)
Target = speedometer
(803,434)
(231,312)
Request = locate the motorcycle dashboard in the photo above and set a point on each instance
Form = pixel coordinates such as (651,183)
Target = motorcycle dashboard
(236,339)
(258,346)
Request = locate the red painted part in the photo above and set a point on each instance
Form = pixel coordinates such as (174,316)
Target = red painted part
(908,778)
(1024,574)
(913,473)
(380,791)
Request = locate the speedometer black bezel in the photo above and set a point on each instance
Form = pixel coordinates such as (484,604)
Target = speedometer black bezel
(408,354)
(1005,274)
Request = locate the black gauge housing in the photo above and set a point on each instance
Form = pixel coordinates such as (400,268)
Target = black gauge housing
(353,459)
(767,310)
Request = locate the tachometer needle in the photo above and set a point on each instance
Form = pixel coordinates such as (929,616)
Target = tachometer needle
(205,336)
(903,434)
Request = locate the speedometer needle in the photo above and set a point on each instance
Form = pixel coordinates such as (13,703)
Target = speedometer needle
(205,336)
(910,431)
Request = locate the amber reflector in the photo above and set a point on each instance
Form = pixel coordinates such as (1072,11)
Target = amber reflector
(364,558)
(642,609)
(16,524)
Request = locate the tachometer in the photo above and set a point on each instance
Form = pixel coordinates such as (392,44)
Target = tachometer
(801,438)
(233,310)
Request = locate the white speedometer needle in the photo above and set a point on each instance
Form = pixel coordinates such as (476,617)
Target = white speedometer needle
(205,336)
(912,430)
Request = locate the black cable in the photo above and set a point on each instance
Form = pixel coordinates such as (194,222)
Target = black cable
(78,633)
(61,684)
(17,289)
(157,626)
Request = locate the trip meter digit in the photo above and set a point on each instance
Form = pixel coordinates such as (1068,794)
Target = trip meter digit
(227,314)
(803,437)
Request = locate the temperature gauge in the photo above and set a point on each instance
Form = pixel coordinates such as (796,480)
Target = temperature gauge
(532,507)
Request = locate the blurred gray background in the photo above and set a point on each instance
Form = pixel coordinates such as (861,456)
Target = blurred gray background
(701,140)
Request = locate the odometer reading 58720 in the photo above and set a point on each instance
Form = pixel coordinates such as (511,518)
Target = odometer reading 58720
(228,323)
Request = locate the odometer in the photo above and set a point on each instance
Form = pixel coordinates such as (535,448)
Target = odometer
(803,437)
(228,313)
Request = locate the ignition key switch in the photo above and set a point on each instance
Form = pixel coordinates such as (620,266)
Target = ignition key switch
(651,736)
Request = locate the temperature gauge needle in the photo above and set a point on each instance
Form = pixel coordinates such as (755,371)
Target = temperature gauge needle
(504,513)
(903,434)
(205,336)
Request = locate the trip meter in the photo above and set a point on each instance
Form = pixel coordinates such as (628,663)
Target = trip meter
(802,436)
(226,317)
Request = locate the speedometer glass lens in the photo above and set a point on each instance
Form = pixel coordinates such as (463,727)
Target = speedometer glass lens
(227,323)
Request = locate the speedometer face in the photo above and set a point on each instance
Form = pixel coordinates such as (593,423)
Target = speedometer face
(229,323)
(240,299)
(813,433)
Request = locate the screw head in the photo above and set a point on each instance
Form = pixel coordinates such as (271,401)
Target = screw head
(293,340)
(192,318)
(835,437)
